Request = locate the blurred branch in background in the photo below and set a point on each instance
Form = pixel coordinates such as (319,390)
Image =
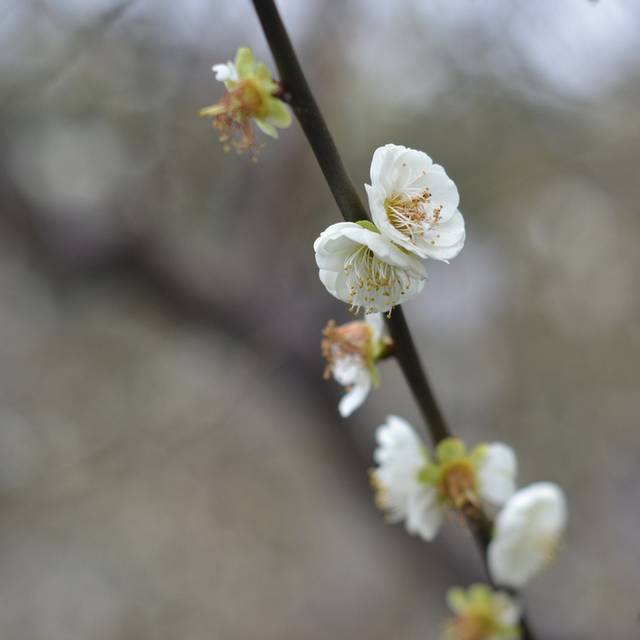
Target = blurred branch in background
(27,89)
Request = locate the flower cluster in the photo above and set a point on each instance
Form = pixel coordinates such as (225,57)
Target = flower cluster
(251,94)
(419,488)
(414,208)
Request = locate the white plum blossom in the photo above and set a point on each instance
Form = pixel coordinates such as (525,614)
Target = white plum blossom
(414,487)
(527,534)
(400,456)
(414,203)
(360,266)
(351,351)
(482,614)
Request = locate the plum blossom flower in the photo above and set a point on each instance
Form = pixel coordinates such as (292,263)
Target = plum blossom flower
(482,614)
(251,94)
(412,486)
(527,534)
(361,267)
(414,203)
(351,351)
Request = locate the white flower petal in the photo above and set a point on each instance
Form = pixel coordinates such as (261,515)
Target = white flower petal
(399,457)
(350,370)
(497,474)
(410,169)
(225,72)
(512,565)
(354,397)
(447,240)
(383,161)
(527,532)
(424,514)
(443,192)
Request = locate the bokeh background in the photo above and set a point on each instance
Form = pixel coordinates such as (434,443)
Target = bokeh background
(171,462)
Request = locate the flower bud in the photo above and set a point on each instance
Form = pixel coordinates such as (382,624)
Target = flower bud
(527,534)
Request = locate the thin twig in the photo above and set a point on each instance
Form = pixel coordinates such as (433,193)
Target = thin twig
(299,96)
(304,106)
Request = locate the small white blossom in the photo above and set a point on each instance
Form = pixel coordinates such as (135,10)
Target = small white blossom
(226,72)
(412,486)
(400,456)
(351,351)
(414,203)
(482,614)
(361,267)
(527,534)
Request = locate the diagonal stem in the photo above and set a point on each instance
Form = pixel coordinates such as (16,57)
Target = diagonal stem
(298,94)
(414,372)
(302,102)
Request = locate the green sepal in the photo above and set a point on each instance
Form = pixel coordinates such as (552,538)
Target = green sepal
(450,449)
(263,72)
(375,376)
(278,113)
(480,594)
(457,599)
(367,224)
(513,633)
(245,62)
(478,454)
(266,127)
(429,474)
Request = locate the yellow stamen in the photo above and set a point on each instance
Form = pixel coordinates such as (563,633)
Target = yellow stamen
(232,115)
(368,278)
(409,214)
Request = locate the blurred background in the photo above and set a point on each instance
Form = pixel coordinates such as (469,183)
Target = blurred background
(172,464)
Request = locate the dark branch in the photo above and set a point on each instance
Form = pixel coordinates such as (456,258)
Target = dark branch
(304,106)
